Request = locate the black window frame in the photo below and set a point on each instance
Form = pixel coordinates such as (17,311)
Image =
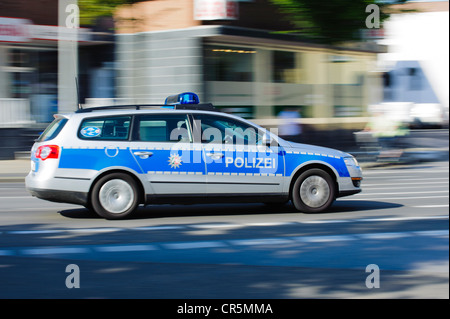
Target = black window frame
(258,131)
(84,138)
(135,137)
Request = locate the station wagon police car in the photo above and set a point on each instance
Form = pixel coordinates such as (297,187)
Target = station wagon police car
(113,159)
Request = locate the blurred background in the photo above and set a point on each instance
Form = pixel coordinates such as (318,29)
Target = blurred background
(324,73)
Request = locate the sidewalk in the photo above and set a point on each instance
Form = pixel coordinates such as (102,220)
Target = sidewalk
(16,170)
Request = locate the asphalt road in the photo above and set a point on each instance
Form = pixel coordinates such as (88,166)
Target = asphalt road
(398,223)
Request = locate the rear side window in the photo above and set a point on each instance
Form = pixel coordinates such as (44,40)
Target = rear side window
(105,128)
(163,128)
(52,130)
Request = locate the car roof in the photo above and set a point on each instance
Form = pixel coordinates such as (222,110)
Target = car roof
(162,109)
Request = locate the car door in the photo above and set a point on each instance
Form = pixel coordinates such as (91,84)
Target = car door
(237,162)
(164,149)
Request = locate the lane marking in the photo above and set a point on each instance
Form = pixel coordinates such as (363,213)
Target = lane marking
(395,219)
(125,248)
(227,225)
(145,247)
(261,241)
(390,198)
(402,193)
(157,228)
(194,245)
(404,185)
(325,239)
(430,206)
(35,232)
(94,230)
(393,235)
(409,172)
(54,250)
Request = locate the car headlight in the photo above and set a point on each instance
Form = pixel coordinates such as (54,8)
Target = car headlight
(351,161)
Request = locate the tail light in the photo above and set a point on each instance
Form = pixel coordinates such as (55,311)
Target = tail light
(47,151)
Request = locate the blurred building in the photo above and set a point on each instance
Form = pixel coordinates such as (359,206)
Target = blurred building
(232,53)
(29,68)
(29,61)
(415,67)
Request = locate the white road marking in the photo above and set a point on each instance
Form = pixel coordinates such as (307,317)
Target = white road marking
(194,245)
(392,198)
(124,248)
(430,206)
(408,172)
(227,225)
(35,232)
(157,228)
(325,239)
(405,185)
(94,230)
(54,250)
(402,193)
(261,241)
(143,247)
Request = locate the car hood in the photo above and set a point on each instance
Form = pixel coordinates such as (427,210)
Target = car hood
(298,147)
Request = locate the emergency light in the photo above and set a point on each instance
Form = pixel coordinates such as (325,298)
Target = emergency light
(182,98)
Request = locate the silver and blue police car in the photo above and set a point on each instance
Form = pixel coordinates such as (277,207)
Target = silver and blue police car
(113,159)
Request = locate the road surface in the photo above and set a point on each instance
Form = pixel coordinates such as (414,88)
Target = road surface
(398,224)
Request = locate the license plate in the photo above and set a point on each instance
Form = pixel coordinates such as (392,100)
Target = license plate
(34,166)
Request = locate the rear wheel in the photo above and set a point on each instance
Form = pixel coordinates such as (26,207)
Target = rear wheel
(115,196)
(313,191)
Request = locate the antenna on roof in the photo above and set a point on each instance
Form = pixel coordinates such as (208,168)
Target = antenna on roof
(78,94)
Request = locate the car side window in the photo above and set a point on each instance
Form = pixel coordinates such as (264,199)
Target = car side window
(105,128)
(224,130)
(163,128)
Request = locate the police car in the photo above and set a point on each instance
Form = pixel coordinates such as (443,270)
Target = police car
(113,159)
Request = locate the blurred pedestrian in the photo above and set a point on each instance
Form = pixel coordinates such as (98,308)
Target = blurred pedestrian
(390,134)
(290,127)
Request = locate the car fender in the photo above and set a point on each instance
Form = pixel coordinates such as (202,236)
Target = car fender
(300,167)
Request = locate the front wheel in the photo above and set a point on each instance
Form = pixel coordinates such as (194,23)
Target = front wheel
(313,191)
(115,196)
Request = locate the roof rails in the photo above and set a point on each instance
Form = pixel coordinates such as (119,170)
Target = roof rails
(201,106)
(182,101)
(115,107)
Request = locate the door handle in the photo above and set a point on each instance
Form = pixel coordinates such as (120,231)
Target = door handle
(215,156)
(143,154)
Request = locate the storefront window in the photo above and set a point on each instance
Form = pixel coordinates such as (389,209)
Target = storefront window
(21,76)
(224,63)
(284,67)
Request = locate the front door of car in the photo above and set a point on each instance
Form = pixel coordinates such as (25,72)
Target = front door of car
(237,161)
(164,149)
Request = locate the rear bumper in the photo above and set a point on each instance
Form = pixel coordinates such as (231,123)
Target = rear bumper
(60,196)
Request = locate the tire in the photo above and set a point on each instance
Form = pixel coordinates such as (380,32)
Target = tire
(313,191)
(115,196)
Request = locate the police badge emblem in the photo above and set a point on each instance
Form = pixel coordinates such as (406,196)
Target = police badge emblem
(174,160)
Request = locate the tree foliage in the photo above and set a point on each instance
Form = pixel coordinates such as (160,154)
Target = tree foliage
(92,9)
(330,21)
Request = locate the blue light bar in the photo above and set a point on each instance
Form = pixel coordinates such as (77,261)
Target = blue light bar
(183,98)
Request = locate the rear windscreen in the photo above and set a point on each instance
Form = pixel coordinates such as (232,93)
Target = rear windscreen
(52,130)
